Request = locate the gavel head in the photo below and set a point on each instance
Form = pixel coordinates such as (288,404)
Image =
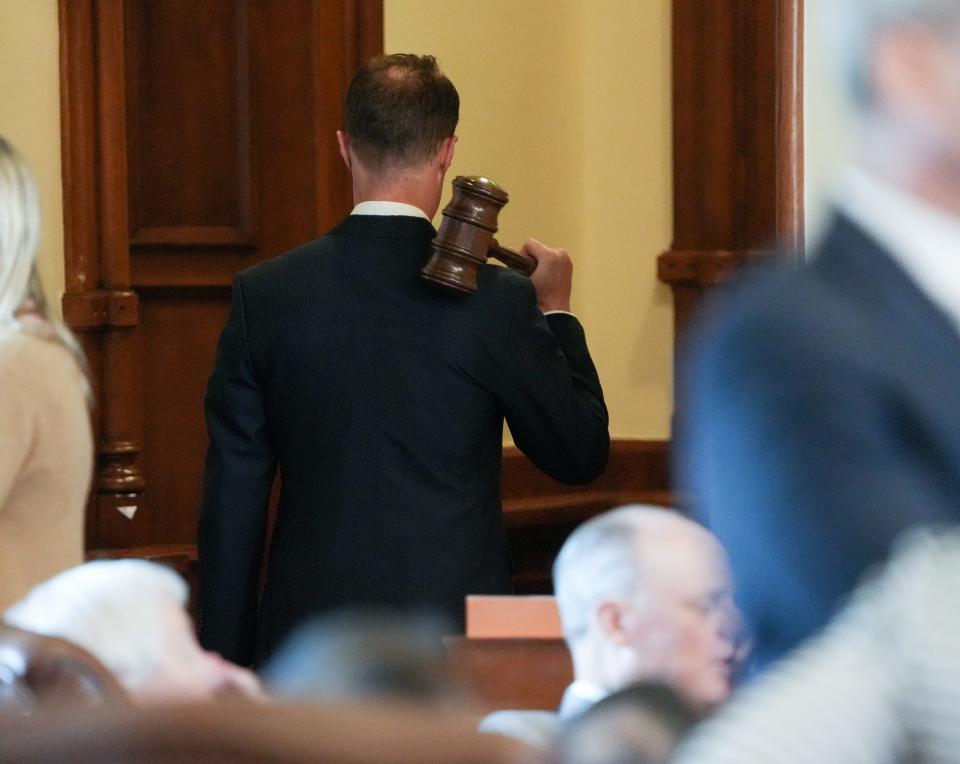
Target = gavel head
(463,242)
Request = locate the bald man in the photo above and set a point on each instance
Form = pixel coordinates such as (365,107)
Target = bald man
(645,595)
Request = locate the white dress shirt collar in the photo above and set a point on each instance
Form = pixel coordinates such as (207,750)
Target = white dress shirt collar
(924,240)
(389,209)
(409,210)
(587,690)
(578,697)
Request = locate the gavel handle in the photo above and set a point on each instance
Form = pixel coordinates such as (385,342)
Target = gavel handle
(512,259)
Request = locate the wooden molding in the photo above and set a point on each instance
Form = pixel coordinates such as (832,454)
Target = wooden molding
(97,268)
(539,513)
(737,141)
(192,237)
(790,218)
(637,470)
(513,673)
(704,268)
(84,311)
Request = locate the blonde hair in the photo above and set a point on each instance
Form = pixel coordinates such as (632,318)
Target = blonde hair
(21,290)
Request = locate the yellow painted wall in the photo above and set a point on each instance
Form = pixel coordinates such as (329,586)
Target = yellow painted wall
(30,116)
(518,67)
(628,210)
(567,104)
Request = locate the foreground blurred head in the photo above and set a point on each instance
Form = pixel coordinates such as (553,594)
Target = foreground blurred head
(640,724)
(645,594)
(902,60)
(354,655)
(130,615)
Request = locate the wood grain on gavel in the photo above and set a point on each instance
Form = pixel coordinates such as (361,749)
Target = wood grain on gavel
(465,239)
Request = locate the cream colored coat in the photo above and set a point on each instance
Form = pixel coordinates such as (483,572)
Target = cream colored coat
(46,460)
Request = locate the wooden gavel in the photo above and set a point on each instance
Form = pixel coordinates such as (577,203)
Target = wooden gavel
(465,239)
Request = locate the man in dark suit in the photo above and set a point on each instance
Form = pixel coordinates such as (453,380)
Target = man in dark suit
(823,411)
(381,399)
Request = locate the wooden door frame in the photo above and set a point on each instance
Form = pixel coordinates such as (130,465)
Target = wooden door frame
(99,304)
(737,142)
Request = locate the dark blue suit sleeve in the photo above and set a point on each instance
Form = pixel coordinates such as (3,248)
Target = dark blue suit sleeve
(551,393)
(238,476)
(795,454)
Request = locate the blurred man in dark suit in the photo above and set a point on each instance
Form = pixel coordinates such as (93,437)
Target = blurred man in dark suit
(381,400)
(823,415)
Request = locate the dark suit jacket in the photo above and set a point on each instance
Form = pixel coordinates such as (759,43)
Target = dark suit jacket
(822,419)
(382,401)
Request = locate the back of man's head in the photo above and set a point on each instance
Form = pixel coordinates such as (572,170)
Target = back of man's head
(399,110)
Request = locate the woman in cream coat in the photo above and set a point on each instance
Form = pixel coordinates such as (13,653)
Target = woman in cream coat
(46,448)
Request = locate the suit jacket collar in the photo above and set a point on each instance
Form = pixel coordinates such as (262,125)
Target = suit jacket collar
(385,227)
(922,239)
(870,275)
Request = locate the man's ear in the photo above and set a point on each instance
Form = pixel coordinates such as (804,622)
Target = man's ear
(344,143)
(610,617)
(446,152)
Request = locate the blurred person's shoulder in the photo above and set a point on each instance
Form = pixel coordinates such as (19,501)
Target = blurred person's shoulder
(33,350)
(781,303)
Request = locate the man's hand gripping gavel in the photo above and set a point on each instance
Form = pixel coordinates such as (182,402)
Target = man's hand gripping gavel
(552,277)
(465,241)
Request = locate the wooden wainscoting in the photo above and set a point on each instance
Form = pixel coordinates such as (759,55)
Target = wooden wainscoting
(539,513)
(737,142)
(198,139)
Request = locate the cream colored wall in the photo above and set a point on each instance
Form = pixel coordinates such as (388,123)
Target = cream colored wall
(628,210)
(828,120)
(30,116)
(521,105)
(567,104)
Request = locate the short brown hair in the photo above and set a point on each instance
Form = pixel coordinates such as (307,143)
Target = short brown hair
(399,109)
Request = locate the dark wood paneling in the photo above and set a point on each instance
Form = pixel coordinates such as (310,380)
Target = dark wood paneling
(737,141)
(539,513)
(174,436)
(98,303)
(188,127)
(198,139)
(513,673)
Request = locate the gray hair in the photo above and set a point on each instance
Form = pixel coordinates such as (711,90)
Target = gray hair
(853,26)
(599,560)
(19,238)
(112,608)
